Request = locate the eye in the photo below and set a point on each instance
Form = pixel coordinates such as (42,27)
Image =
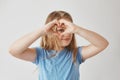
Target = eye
(60,30)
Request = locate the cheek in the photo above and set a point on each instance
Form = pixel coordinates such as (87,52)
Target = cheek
(59,37)
(67,41)
(64,37)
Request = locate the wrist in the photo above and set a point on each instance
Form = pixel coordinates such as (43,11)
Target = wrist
(42,31)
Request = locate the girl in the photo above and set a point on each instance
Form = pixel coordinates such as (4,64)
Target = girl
(58,57)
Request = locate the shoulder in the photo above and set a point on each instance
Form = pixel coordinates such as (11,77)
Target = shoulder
(79,54)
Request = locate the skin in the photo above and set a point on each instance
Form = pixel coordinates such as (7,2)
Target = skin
(20,48)
(65,39)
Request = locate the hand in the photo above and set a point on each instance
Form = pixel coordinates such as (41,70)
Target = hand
(50,27)
(69,27)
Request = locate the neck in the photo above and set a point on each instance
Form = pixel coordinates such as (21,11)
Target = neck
(59,49)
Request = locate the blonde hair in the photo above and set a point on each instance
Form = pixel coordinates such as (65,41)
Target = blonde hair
(49,42)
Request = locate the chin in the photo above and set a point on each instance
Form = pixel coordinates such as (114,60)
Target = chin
(65,45)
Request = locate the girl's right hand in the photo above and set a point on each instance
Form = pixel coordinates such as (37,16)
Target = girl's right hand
(48,28)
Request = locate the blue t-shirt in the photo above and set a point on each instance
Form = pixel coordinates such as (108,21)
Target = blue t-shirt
(58,67)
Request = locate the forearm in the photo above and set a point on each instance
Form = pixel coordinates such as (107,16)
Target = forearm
(24,42)
(94,38)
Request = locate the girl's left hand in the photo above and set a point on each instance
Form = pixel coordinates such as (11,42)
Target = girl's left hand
(69,26)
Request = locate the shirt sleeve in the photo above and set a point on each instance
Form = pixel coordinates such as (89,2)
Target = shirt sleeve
(79,55)
(38,55)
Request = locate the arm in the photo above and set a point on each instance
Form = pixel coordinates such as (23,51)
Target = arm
(20,48)
(98,43)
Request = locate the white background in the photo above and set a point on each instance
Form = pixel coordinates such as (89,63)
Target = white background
(19,17)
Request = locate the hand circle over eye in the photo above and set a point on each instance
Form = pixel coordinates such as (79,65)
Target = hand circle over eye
(60,26)
(58,29)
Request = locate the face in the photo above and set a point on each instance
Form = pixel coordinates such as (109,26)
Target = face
(65,39)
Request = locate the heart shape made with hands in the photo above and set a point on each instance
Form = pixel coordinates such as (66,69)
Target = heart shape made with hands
(59,27)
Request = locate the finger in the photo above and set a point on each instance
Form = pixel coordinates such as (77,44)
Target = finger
(57,23)
(63,21)
(52,23)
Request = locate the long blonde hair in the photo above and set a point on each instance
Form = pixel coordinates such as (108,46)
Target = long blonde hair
(51,42)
